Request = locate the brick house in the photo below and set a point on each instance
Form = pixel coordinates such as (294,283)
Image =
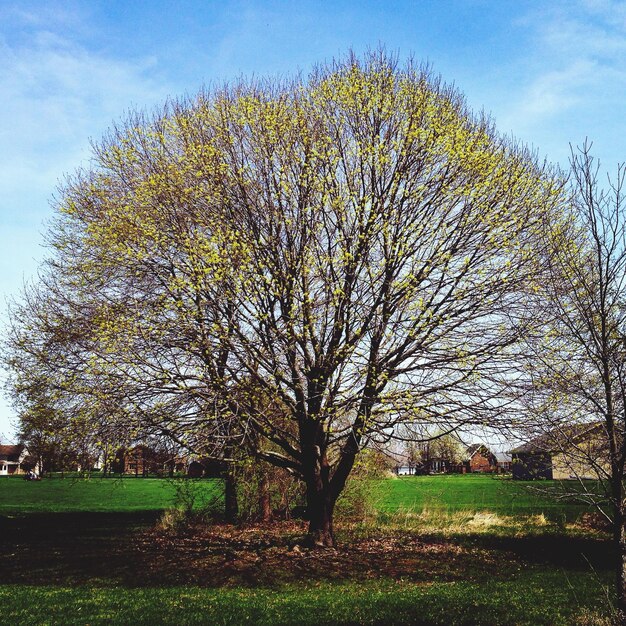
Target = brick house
(479,459)
(144,460)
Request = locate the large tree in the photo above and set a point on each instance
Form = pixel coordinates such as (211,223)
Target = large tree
(300,266)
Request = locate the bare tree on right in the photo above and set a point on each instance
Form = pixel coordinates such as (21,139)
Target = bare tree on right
(576,369)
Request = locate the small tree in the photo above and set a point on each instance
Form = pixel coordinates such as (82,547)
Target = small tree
(576,373)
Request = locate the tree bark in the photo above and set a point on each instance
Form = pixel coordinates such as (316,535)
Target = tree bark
(619,537)
(320,508)
(265,505)
(319,496)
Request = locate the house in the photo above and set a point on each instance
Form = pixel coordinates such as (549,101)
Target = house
(434,465)
(503,461)
(142,460)
(207,468)
(574,451)
(14,459)
(479,459)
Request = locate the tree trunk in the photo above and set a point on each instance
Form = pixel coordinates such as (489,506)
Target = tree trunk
(619,536)
(319,499)
(231,505)
(265,505)
(320,509)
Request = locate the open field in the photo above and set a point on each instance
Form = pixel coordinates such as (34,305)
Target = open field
(400,495)
(110,495)
(473,492)
(424,558)
(382,602)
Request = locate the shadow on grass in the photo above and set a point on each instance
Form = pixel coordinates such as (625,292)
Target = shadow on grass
(553,550)
(125,549)
(62,548)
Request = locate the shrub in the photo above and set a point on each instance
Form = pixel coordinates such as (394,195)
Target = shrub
(266,492)
(195,500)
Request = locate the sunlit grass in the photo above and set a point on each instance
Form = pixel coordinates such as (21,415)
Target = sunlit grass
(411,495)
(473,493)
(532,597)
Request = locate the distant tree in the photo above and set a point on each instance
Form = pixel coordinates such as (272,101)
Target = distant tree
(298,267)
(426,447)
(448,447)
(576,372)
(39,431)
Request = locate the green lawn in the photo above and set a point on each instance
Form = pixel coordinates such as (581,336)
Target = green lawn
(453,550)
(63,495)
(531,599)
(472,493)
(404,494)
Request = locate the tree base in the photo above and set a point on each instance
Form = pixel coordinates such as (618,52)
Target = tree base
(320,539)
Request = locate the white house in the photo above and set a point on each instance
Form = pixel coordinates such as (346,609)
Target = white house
(12,460)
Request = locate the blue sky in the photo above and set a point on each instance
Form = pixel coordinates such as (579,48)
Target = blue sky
(550,72)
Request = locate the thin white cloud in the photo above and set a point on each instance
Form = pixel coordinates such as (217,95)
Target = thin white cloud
(552,92)
(55,95)
(586,32)
(51,14)
(573,77)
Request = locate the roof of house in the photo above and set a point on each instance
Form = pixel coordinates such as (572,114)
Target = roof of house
(503,457)
(11,452)
(475,448)
(555,439)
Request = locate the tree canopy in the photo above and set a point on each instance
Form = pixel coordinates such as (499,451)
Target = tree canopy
(298,266)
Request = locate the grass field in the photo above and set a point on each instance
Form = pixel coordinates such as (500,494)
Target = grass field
(473,493)
(455,550)
(552,603)
(412,493)
(109,495)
